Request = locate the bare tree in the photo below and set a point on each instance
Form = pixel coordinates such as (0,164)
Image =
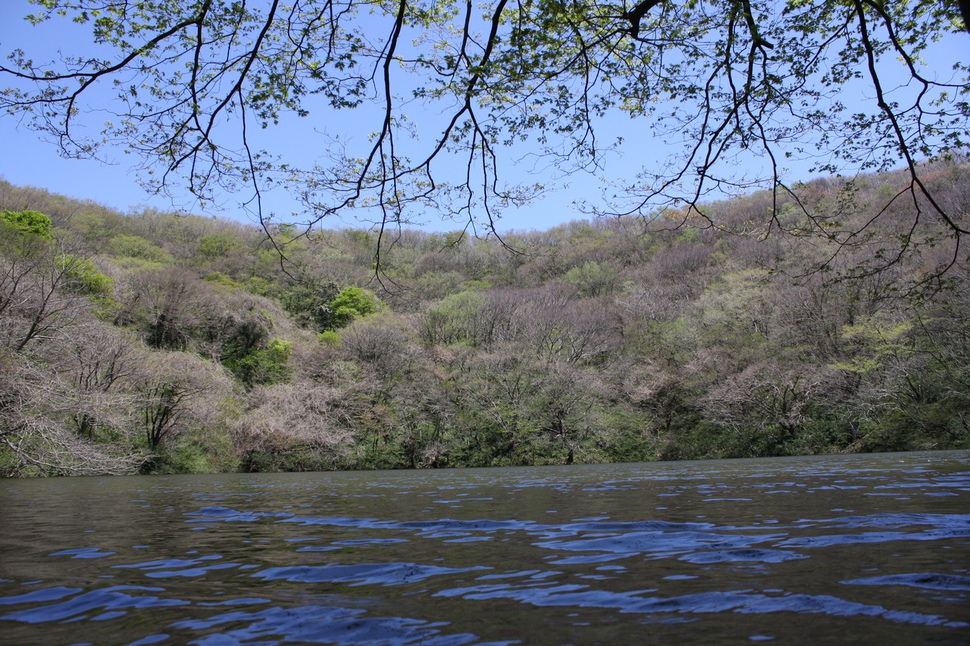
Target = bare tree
(36,295)
(283,417)
(168,304)
(766,405)
(178,392)
(34,436)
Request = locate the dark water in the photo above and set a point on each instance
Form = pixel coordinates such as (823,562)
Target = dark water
(872,549)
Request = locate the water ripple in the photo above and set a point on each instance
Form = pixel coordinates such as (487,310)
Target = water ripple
(872,537)
(694,542)
(110,599)
(164,568)
(660,544)
(371,559)
(736,556)
(929,580)
(742,601)
(362,574)
(83,553)
(37,596)
(325,624)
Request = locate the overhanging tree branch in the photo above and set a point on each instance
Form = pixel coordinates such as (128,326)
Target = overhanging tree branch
(724,84)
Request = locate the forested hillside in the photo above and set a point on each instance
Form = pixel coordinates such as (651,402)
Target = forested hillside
(156,342)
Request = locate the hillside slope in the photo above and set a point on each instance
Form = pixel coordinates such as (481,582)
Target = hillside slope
(157,342)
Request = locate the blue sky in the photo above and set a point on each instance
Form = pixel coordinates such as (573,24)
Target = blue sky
(26,160)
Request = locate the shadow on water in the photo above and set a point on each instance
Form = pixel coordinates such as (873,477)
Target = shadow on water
(858,548)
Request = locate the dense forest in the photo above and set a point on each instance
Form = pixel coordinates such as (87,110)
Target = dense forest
(157,342)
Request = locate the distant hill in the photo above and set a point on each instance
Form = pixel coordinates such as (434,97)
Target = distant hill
(158,342)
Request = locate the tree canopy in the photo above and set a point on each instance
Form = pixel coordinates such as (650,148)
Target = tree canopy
(456,89)
(31,223)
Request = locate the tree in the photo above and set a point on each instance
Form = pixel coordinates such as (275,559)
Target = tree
(291,427)
(178,392)
(351,303)
(42,283)
(173,309)
(839,85)
(263,365)
(48,417)
(28,223)
(95,363)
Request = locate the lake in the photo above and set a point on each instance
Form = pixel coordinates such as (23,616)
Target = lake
(861,548)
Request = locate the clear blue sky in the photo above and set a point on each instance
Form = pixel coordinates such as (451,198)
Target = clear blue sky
(26,160)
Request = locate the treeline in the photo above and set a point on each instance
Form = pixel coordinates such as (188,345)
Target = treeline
(156,342)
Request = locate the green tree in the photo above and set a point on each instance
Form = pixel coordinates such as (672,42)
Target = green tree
(31,223)
(719,81)
(308,302)
(593,279)
(83,277)
(218,245)
(352,303)
(263,366)
(452,320)
(131,246)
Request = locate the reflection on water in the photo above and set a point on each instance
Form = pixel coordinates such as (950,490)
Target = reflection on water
(860,548)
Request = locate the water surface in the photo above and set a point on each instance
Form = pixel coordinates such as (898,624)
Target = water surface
(865,548)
